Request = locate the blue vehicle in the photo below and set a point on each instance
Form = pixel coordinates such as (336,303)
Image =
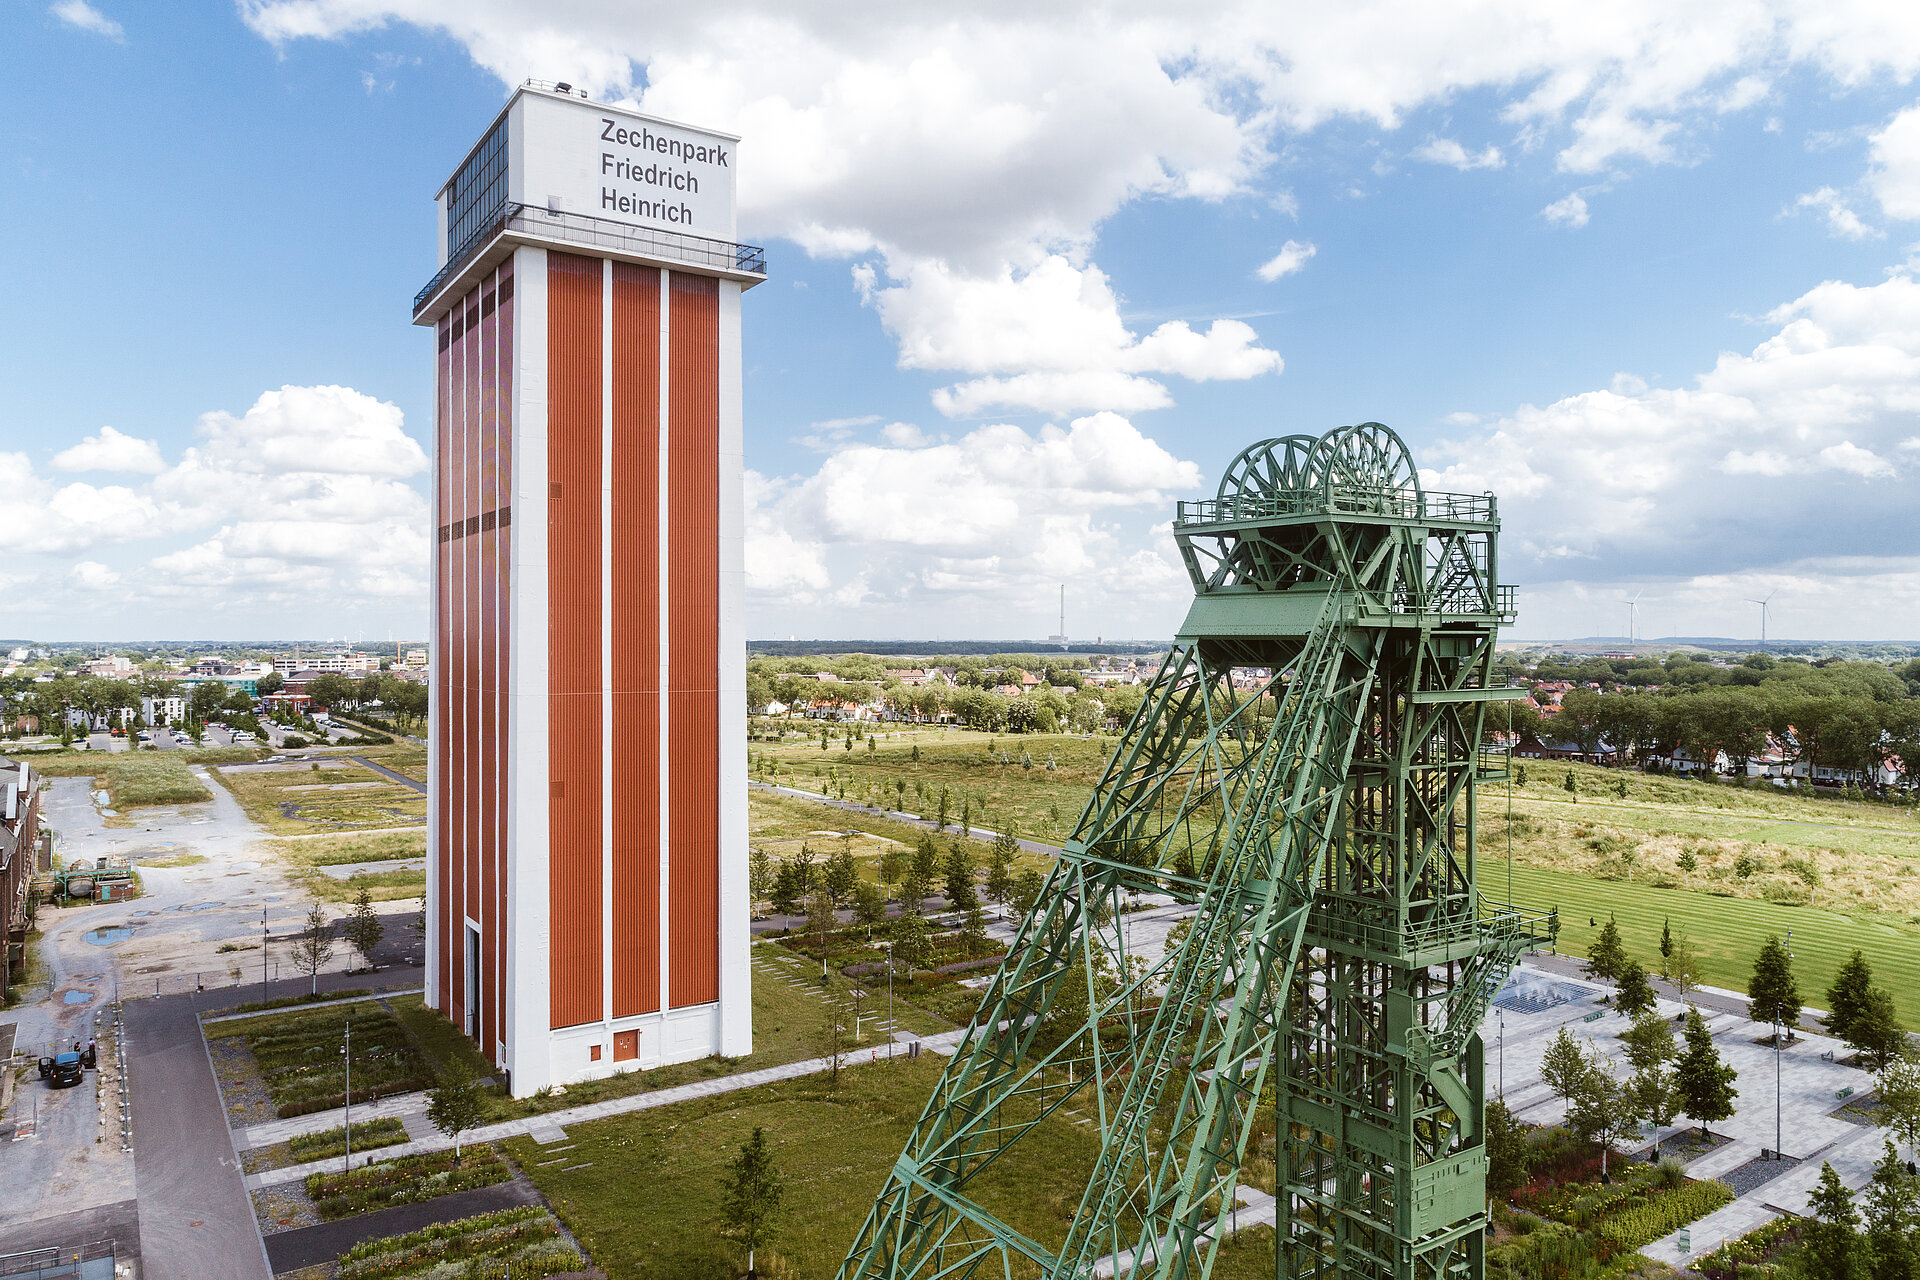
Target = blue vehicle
(61,1070)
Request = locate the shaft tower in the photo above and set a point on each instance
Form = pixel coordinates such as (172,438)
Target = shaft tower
(1302,771)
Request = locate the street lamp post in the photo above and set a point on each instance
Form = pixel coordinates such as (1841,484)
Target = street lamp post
(1503,1054)
(888,944)
(346,1052)
(263,953)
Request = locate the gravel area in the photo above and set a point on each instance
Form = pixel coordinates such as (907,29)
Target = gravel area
(1755,1172)
(284,1207)
(241,1086)
(1684,1146)
(1862,1109)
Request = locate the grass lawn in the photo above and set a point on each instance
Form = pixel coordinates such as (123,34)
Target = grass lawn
(327,795)
(644,1207)
(131,778)
(305,857)
(1039,804)
(402,757)
(789,1024)
(781,824)
(1726,932)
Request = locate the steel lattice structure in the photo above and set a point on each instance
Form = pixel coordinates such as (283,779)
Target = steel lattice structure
(1319,814)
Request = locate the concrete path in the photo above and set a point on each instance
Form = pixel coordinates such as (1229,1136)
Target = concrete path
(119,1223)
(532,1126)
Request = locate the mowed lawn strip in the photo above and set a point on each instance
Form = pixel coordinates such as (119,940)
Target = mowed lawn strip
(1726,933)
(646,1204)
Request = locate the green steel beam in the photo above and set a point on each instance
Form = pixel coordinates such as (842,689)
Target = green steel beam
(1340,958)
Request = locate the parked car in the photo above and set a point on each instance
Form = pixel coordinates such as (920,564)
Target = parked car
(61,1070)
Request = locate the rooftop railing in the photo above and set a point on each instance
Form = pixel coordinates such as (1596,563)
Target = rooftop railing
(1469,507)
(592,232)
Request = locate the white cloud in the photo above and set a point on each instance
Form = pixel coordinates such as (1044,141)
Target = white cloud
(1850,457)
(91,575)
(1448,151)
(1894,176)
(84,17)
(1568,211)
(1051,338)
(996,514)
(1293,256)
(1788,452)
(309,495)
(1841,220)
(110,450)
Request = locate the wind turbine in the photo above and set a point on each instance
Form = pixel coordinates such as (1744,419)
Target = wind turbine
(1763,614)
(1633,612)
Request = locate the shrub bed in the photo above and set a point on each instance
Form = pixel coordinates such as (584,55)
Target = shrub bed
(299,1057)
(527,1239)
(1754,1255)
(404,1181)
(368,1135)
(292,1002)
(1639,1223)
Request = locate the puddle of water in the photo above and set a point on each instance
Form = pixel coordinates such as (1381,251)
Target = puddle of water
(77,997)
(110,813)
(107,935)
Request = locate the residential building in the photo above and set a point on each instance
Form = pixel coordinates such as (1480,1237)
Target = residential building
(415,660)
(155,711)
(347,664)
(19,850)
(587,886)
(113,666)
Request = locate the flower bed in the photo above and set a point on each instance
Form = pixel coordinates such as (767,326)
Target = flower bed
(527,1239)
(298,1055)
(368,1135)
(1755,1254)
(404,1181)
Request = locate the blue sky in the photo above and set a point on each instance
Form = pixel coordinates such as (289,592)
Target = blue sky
(1651,282)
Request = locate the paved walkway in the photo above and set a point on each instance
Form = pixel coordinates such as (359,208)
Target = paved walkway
(390,774)
(196,1219)
(309,1246)
(541,1127)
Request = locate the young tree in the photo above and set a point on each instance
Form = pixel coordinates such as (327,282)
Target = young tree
(1875,1030)
(1636,993)
(958,871)
(1704,1079)
(974,931)
(760,874)
(842,875)
(803,864)
(750,1194)
(1898,1090)
(1563,1065)
(1650,1049)
(1607,958)
(1683,968)
(786,892)
(1772,994)
(1666,947)
(1893,1220)
(821,922)
(869,903)
(452,1106)
(1000,880)
(363,929)
(1832,1239)
(911,942)
(1026,890)
(1848,994)
(940,817)
(1507,1150)
(313,946)
(1572,786)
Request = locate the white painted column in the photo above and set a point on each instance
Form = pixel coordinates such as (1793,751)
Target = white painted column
(665,911)
(606,658)
(736,973)
(529,916)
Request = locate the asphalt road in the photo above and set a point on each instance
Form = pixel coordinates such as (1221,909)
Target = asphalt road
(196,1219)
